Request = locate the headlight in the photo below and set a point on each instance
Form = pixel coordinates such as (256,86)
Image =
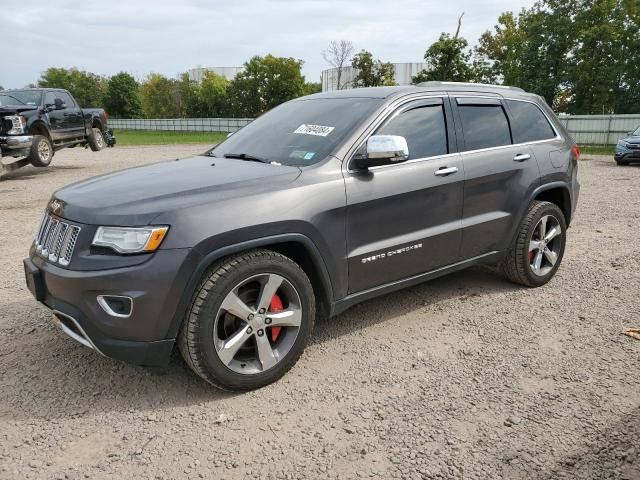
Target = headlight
(17,124)
(130,239)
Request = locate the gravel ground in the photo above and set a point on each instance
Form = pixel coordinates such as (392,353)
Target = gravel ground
(465,377)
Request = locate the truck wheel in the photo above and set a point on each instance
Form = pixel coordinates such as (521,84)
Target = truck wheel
(537,251)
(96,140)
(249,321)
(41,151)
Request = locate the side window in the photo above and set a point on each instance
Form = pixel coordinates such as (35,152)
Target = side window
(424,127)
(484,126)
(66,98)
(528,122)
(49,98)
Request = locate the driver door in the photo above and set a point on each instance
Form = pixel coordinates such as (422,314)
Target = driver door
(406,219)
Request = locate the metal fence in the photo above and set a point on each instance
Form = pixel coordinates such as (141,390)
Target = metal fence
(599,129)
(181,124)
(585,129)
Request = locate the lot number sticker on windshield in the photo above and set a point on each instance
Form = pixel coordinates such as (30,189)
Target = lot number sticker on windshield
(317,130)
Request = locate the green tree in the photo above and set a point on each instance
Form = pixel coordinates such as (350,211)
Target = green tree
(604,70)
(122,98)
(265,83)
(372,73)
(312,87)
(213,95)
(161,97)
(448,59)
(87,88)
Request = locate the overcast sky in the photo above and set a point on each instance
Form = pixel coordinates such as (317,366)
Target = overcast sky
(144,36)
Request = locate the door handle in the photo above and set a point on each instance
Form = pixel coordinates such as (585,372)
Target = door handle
(444,171)
(521,157)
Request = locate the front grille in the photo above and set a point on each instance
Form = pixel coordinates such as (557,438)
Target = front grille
(56,239)
(633,146)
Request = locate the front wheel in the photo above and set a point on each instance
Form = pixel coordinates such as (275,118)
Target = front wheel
(96,140)
(537,251)
(41,151)
(249,321)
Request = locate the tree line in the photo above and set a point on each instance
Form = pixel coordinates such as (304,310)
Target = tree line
(580,55)
(264,83)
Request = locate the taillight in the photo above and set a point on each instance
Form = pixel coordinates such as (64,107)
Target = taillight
(575,151)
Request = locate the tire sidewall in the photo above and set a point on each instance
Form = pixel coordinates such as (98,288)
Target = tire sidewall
(222,375)
(35,159)
(553,210)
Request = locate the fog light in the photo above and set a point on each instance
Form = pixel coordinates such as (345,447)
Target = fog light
(116,305)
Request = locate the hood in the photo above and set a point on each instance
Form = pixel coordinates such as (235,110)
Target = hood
(9,109)
(136,196)
(634,139)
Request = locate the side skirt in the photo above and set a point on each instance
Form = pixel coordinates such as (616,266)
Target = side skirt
(350,300)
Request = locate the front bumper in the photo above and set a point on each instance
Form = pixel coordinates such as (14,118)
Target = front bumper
(16,145)
(141,337)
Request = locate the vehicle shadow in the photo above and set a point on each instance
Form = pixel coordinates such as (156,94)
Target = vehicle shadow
(27,172)
(458,285)
(614,452)
(46,374)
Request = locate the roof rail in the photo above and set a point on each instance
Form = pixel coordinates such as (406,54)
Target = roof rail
(434,83)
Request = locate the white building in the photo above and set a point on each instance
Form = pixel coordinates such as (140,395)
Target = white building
(196,74)
(403,75)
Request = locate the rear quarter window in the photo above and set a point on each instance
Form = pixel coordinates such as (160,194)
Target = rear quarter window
(528,123)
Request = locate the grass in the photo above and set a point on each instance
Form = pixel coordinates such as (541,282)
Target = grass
(597,150)
(155,137)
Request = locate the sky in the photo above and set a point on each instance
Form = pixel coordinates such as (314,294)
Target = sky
(145,36)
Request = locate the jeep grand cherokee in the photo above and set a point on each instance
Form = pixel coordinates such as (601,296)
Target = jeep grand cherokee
(323,202)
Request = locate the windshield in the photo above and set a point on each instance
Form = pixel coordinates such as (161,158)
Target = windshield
(20,97)
(298,133)
(637,132)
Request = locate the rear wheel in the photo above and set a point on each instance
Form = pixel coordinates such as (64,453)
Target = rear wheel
(249,322)
(96,140)
(41,151)
(539,246)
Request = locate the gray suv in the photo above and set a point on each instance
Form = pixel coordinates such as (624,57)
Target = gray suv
(319,204)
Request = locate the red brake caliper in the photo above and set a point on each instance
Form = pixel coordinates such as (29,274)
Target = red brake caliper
(275,306)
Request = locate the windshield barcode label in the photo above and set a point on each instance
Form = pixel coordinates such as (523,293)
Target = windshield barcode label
(318,130)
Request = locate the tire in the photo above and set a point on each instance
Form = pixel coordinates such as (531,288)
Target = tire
(521,263)
(41,151)
(209,326)
(96,140)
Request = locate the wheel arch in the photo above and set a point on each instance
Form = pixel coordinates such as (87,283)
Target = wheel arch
(40,128)
(557,193)
(296,246)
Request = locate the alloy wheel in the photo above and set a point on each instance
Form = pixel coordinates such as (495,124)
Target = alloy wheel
(257,323)
(44,152)
(545,245)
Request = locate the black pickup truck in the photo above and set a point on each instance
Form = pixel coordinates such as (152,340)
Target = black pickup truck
(36,122)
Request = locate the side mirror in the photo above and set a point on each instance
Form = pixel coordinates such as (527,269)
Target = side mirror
(229,134)
(382,150)
(59,104)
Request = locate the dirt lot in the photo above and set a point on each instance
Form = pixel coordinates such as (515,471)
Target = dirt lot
(465,377)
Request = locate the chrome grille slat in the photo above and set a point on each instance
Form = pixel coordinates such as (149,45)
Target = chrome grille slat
(56,239)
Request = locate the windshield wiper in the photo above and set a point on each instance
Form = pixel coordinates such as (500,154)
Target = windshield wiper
(244,156)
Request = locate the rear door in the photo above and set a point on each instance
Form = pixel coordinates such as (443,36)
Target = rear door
(499,175)
(73,121)
(405,219)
